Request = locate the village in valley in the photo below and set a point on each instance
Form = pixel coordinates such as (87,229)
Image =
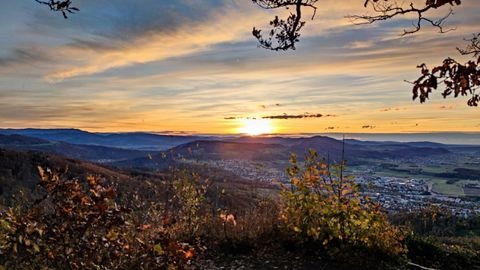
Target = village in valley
(393,193)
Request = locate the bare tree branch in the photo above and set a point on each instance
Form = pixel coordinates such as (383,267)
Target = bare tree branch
(419,266)
(473,47)
(388,9)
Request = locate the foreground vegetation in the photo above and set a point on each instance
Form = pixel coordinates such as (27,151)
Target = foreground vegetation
(187,221)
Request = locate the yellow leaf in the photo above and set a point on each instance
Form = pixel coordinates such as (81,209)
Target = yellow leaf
(158,249)
(4,225)
(112,235)
(36,248)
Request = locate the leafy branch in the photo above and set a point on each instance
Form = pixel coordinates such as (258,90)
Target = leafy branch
(285,32)
(458,79)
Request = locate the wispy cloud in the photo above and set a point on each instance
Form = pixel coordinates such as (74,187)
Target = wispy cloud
(392,109)
(284,116)
(270,105)
(449,107)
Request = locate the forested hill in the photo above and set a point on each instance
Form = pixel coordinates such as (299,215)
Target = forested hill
(18,170)
(279,149)
(129,140)
(95,153)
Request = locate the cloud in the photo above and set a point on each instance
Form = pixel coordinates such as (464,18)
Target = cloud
(270,105)
(284,116)
(153,45)
(25,55)
(360,44)
(392,109)
(296,116)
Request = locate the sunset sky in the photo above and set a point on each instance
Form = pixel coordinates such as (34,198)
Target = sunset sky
(186,65)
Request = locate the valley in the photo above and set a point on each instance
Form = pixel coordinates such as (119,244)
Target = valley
(407,175)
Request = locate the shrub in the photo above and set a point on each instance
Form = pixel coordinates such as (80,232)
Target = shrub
(322,205)
(186,202)
(83,225)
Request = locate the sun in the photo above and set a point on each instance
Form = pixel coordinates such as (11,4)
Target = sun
(254,127)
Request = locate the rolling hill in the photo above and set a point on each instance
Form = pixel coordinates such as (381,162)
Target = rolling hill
(131,140)
(270,149)
(100,154)
(18,170)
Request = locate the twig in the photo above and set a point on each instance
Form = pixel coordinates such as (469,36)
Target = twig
(387,10)
(420,266)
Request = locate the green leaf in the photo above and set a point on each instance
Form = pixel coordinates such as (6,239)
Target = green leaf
(4,225)
(36,248)
(158,249)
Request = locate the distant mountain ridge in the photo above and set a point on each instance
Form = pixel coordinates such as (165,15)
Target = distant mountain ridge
(279,149)
(127,149)
(132,140)
(95,153)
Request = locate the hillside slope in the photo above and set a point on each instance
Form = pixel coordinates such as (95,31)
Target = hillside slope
(93,153)
(18,170)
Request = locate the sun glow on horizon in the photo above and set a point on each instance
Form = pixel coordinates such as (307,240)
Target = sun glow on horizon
(254,127)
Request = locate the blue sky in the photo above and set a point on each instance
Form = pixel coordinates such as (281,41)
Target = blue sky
(186,65)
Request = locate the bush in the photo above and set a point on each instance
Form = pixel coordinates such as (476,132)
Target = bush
(83,225)
(322,205)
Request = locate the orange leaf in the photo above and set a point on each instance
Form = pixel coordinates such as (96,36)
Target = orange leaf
(189,254)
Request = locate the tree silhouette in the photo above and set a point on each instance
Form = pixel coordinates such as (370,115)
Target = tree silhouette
(458,79)
(60,6)
(285,32)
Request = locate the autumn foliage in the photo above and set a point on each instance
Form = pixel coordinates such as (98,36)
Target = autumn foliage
(323,205)
(458,79)
(84,225)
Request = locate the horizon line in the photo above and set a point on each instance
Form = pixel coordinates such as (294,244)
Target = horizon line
(193,133)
